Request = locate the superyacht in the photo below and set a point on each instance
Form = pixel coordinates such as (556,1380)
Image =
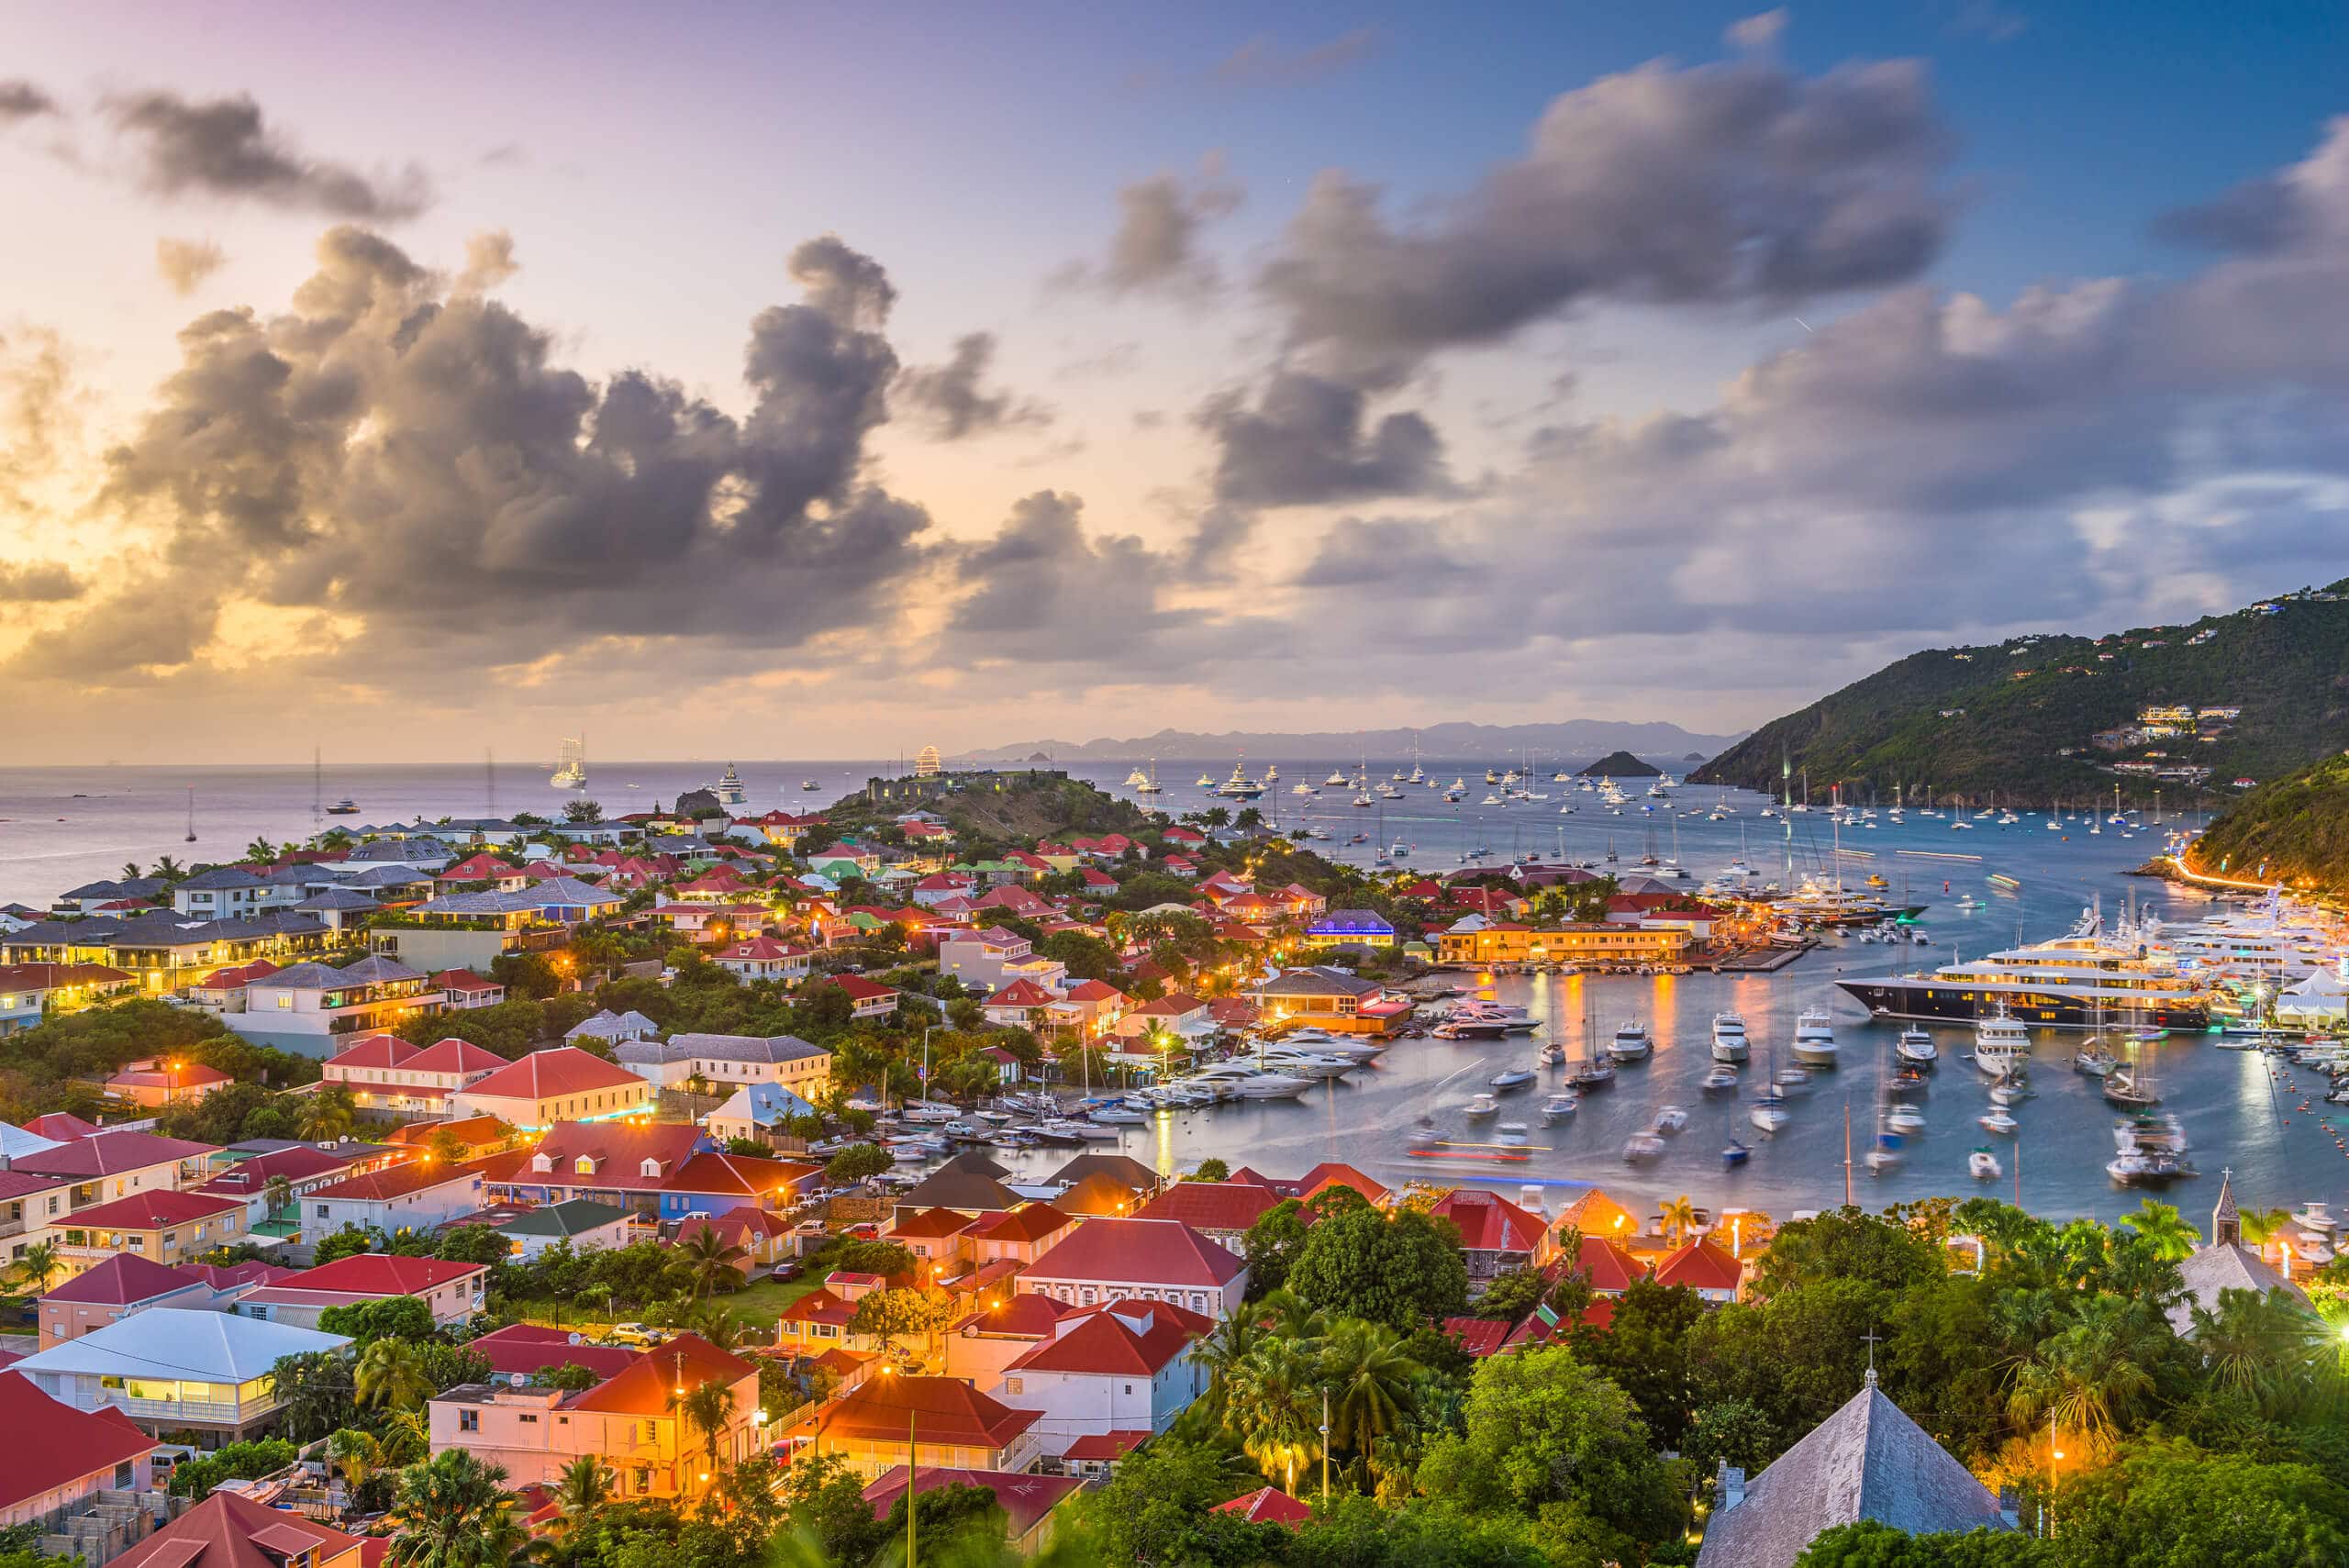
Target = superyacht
(2069,983)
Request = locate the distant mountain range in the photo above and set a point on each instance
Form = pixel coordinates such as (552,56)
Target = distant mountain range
(1575,740)
(2252,694)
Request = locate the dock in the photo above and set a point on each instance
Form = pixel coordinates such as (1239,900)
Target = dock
(1758,960)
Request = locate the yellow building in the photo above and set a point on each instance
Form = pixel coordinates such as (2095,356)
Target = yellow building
(1585,943)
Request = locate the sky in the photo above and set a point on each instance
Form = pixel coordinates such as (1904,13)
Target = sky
(801,381)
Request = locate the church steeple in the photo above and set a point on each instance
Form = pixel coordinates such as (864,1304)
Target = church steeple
(2226,1225)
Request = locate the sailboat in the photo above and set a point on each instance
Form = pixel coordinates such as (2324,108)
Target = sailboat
(1595,1071)
(191,814)
(570,765)
(1147,783)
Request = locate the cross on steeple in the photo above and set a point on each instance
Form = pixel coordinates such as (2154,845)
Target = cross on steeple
(2226,1224)
(1873,1339)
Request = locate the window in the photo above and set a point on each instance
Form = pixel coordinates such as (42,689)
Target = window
(529,1418)
(468,1420)
(1014,1385)
(1130,1388)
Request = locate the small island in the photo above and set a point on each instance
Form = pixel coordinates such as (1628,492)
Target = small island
(1620,765)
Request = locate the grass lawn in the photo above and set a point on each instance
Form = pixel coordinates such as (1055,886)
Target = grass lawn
(757,1306)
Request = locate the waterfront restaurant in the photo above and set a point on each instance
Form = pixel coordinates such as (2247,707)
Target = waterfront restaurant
(1328,998)
(1477,942)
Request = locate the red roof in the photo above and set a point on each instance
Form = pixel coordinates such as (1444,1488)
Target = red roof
(151,1211)
(1211,1206)
(930,1224)
(64,1125)
(187,1075)
(227,1530)
(647,1387)
(860,989)
(942,1409)
(1024,1499)
(1337,1173)
(57,1444)
(101,1153)
(396,1180)
(237,976)
(1137,1338)
(1094,991)
(374,1050)
(1097,1447)
(1029,1222)
(739,1225)
(760,950)
(1608,1266)
(1021,993)
(1480,1337)
(527,1347)
(1489,1223)
(1266,1505)
(380,1273)
(1018,1317)
(550,1073)
(453,1056)
(1701,1264)
(1138,1251)
(121,1280)
(821,1305)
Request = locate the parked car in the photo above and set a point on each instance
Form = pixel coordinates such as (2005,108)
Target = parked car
(631,1334)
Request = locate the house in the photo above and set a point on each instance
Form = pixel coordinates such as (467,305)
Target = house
(167,1227)
(1868,1460)
(760,1113)
(166,1082)
(85,1166)
(307,1008)
(1021,1004)
(527,1349)
(109,1291)
(763,958)
(560,1083)
(949,1422)
(1349,927)
(475,1135)
(228,1530)
(867,998)
(455,1292)
(1496,1234)
(1266,1505)
(631,1421)
(1017,1236)
(1124,1367)
(224,892)
(613,1027)
(967,1184)
(1327,998)
(588,1226)
(998,1329)
(933,1237)
(63,1457)
(1177,1015)
(1030,1502)
(29,991)
(168,1369)
(1108,1258)
(1475,941)
(993,956)
(661,1172)
(417,1195)
(464,989)
(1222,1211)
(724,1061)
(1705,1267)
(819,1321)
(764,1238)
(389,1077)
(1089,1007)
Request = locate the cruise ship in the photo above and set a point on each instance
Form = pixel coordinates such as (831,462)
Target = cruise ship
(2083,980)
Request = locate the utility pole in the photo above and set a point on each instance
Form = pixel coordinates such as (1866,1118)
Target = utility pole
(911,1472)
(1847,1154)
(2018,1173)
(1325,1447)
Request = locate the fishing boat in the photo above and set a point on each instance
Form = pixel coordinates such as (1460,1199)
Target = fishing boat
(1557,1107)
(1728,1038)
(1630,1043)
(1513,1078)
(1984,1166)
(1917,1046)
(1814,1042)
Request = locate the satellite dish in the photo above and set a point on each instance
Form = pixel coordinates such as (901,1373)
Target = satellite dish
(519,1379)
(578,1338)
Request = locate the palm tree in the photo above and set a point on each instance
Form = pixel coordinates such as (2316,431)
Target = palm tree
(277,1192)
(261,849)
(1289,1314)
(390,1372)
(709,1410)
(40,1262)
(406,1436)
(356,1453)
(585,1485)
(168,869)
(713,1323)
(2165,1228)
(1275,1405)
(325,1118)
(710,1260)
(2261,1226)
(1231,1342)
(1679,1218)
(2267,1348)
(2089,1378)
(697,1085)
(131,872)
(1369,1375)
(447,1509)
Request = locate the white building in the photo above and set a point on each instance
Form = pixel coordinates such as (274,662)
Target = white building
(415,1196)
(308,1007)
(1137,1261)
(169,1368)
(728,1061)
(1126,1368)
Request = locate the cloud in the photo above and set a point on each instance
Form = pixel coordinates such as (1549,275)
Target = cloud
(953,401)
(1757,34)
(1261,63)
(489,262)
(418,467)
(185,263)
(1308,439)
(221,148)
(2299,206)
(36,582)
(1714,185)
(20,100)
(848,288)
(1155,247)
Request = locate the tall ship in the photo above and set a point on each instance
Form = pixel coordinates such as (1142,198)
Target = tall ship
(2076,981)
(570,765)
(728,788)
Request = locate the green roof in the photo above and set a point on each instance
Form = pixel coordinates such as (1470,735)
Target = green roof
(570,1217)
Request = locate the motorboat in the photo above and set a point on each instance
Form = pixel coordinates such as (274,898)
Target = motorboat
(2094,1059)
(1768,1112)
(1670,1118)
(1728,1038)
(1630,1043)
(1557,1107)
(2001,1044)
(1117,1115)
(1917,1045)
(2013,1090)
(1814,1042)
(1984,1166)
(1642,1146)
(1791,1080)
(1906,1120)
(1720,1079)
(1482,1104)
(1309,1063)
(1996,1119)
(1554,1054)
(1514,1078)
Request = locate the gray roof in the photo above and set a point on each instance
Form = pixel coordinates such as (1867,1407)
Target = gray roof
(961,1189)
(1868,1460)
(163,929)
(384,876)
(1123,1168)
(400,852)
(608,1025)
(718,1048)
(2224,1265)
(219,877)
(572,1216)
(128,887)
(336,898)
(168,1342)
(1319,981)
(375,969)
(1369,919)
(371,971)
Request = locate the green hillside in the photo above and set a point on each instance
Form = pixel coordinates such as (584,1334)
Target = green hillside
(1971,721)
(2295,829)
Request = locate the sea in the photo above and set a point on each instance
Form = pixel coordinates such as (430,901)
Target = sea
(61,827)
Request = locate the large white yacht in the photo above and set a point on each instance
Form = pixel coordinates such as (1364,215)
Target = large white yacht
(2069,983)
